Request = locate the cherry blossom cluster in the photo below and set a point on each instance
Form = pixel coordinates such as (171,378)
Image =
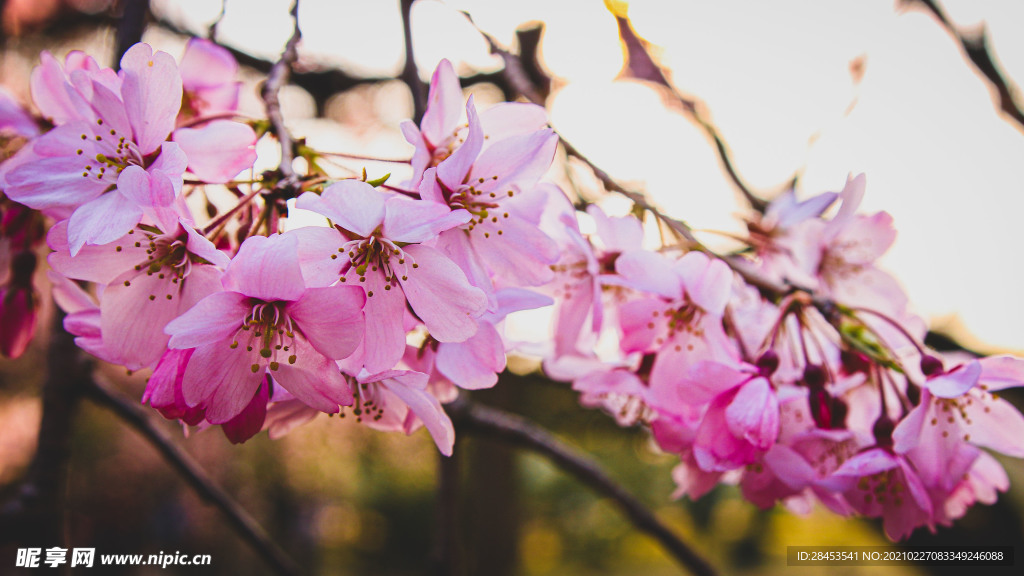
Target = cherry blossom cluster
(794,367)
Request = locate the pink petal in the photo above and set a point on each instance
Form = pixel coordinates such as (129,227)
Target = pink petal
(50,95)
(132,322)
(219,150)
(266,268)
(427,408)
(152,95)
(408,220)
(441,296)
(617,234)
(515,250)
(444,104)
(206,65)
(316,246)
(518,162)
(996,424)
(214,319)
(715,448)
(907,434)
(650,272)
(250,421)
(956,382)
(102,220)
(99,264)
(453,170)
(508,119)
(331,319)
(137,185)
(1001,372)
(314,379)
(385,337)
(354,205)
(198,244)
(221,380)
(706,380)
(754,414)
(708,282)
(473,364)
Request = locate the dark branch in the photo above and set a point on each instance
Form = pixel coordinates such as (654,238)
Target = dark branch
(130,28)
(36,514)
(239,520)
(476,419)
(410,74)
(977,50)
(276,79)
(446,557)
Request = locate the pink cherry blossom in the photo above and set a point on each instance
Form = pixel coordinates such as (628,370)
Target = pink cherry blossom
(499,187)
(441,132)
(267,319)
(377,245)
(110,163)
(209,78)
(151,277)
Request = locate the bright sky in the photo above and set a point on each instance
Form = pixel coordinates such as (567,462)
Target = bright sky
(777,80)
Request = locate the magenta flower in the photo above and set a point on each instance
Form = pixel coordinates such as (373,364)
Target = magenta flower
(879,483)
(958,412)
(376,245)
(110,163)
(266,319)
(442,131)
(394,400)
(499,187)
(150,276)
(209,78)
(681,324)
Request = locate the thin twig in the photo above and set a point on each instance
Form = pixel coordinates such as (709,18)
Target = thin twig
(477,419)
(242,202)
(410,74)
(240,520)
(211,32)
(276,79)
(976,48)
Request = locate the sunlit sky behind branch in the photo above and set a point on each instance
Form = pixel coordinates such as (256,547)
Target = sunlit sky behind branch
(819,88)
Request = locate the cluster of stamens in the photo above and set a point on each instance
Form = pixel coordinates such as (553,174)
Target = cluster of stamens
(269,328)
(880,486)
(165,256)
(681,320)
(122,153)
(375,254)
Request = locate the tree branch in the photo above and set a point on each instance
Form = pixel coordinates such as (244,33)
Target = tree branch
(276,79)
(976,48)
(130,28)
(238,519)
(446,557)
(640,64)
(36,514)
(410,74)
(477,419)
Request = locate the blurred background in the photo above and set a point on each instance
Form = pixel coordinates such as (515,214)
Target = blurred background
(797,88)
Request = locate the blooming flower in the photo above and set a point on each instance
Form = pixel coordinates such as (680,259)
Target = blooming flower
(376,245)
(110,162)
(266,319)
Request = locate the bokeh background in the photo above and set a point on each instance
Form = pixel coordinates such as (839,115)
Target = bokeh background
(802,88)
